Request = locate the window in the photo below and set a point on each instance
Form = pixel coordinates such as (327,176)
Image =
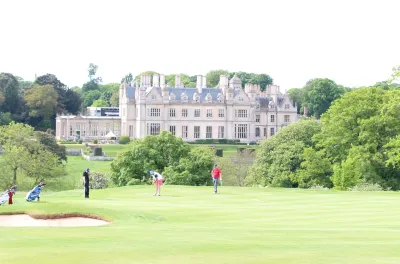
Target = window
(196,132)
(272,131)
(209,132)
(184,131)
(258,118)
(184,98)
(257,132)
(220,98)
(272,118)
(172,130)
(172,112)
(84,129)
(221,112)
(184,112)
(221,132)
(241,131)
(240,99)
(153,128)
(196,112)
(153,97)
(196,97)
(241,113)
(130,131)
(172,97)
(209,98)
(155,112)
(209,112)
(70,131)
(287,106)
(265,131)
(286,118)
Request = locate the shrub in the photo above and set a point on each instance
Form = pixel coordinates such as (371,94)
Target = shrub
(366,187)
(80,141)
(134,182)
(95,141)
(124,140)
(98,180)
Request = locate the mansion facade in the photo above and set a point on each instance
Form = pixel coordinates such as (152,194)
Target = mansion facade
(225,112)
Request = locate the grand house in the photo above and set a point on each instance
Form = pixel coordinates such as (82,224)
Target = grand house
(225,112)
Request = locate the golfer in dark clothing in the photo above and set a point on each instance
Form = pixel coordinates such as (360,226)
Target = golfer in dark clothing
(85,180)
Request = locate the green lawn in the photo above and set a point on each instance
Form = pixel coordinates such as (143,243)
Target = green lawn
(76,165)
(191,225)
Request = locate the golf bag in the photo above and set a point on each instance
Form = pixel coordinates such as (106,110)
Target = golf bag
(7,195)
(35,192)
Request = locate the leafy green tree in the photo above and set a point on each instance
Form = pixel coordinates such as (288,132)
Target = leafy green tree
(213,77)
(319,94)
(25,155)
(194,169)
(114,100)
(90,86)
(10,90)
(315,169)
(92,70)
(297,94)
(279,157)
(90,97)
(5,118)
(149,153)
(100,103)
(127,78)
(41,100)
(50,144)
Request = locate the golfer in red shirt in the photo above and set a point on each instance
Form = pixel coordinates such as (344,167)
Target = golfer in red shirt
(216,175)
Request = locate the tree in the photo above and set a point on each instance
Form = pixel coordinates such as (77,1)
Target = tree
(395,74)
(279,157)
(5,118)
(10,91)
(213,77)
(73,102)
(41,100)
(149,153)
(90,86)
(114,100)
(100,103)
(127,78)
(25,155)
(49,143)
(90,97)
(297,94)
(92,70)
(358,137)
(319,94)
(194,169)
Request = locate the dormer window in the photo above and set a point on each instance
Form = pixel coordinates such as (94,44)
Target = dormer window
(257,105)
(209,98)
(172,97)
(220,98)
(184,97)
(196,98)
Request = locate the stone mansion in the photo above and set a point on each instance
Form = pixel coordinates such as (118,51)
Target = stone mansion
(225,112)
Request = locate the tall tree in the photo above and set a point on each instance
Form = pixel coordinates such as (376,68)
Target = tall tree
(41,100)
(213,77)
(319,94)
(10,90)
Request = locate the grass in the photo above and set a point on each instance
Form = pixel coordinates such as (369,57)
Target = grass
(76,166)
(191,225)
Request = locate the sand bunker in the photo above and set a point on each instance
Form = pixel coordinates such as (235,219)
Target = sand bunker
(56,221)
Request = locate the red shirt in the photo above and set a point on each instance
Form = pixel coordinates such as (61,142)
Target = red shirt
(216,173)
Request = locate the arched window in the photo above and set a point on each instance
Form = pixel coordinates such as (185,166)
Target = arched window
(172,97)
(184,97)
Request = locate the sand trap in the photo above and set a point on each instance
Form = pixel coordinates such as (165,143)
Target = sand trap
(26,220)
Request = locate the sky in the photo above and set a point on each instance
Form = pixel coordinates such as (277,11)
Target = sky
(354,43)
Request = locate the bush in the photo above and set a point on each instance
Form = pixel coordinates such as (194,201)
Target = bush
(366,187)
(98,180)
(95,141)
(134,182)
(124,140)
(80,141)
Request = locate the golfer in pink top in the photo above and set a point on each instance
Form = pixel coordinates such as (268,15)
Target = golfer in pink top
(157,180)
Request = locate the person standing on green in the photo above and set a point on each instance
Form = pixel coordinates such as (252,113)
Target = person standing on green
(85,181)
(217,176)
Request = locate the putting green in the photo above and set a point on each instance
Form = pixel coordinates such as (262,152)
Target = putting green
(192,225)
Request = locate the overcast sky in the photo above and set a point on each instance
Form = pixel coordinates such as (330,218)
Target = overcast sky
(355,43)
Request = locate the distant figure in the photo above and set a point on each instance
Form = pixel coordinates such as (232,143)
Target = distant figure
(157,180)
(85,181)
(216,175)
